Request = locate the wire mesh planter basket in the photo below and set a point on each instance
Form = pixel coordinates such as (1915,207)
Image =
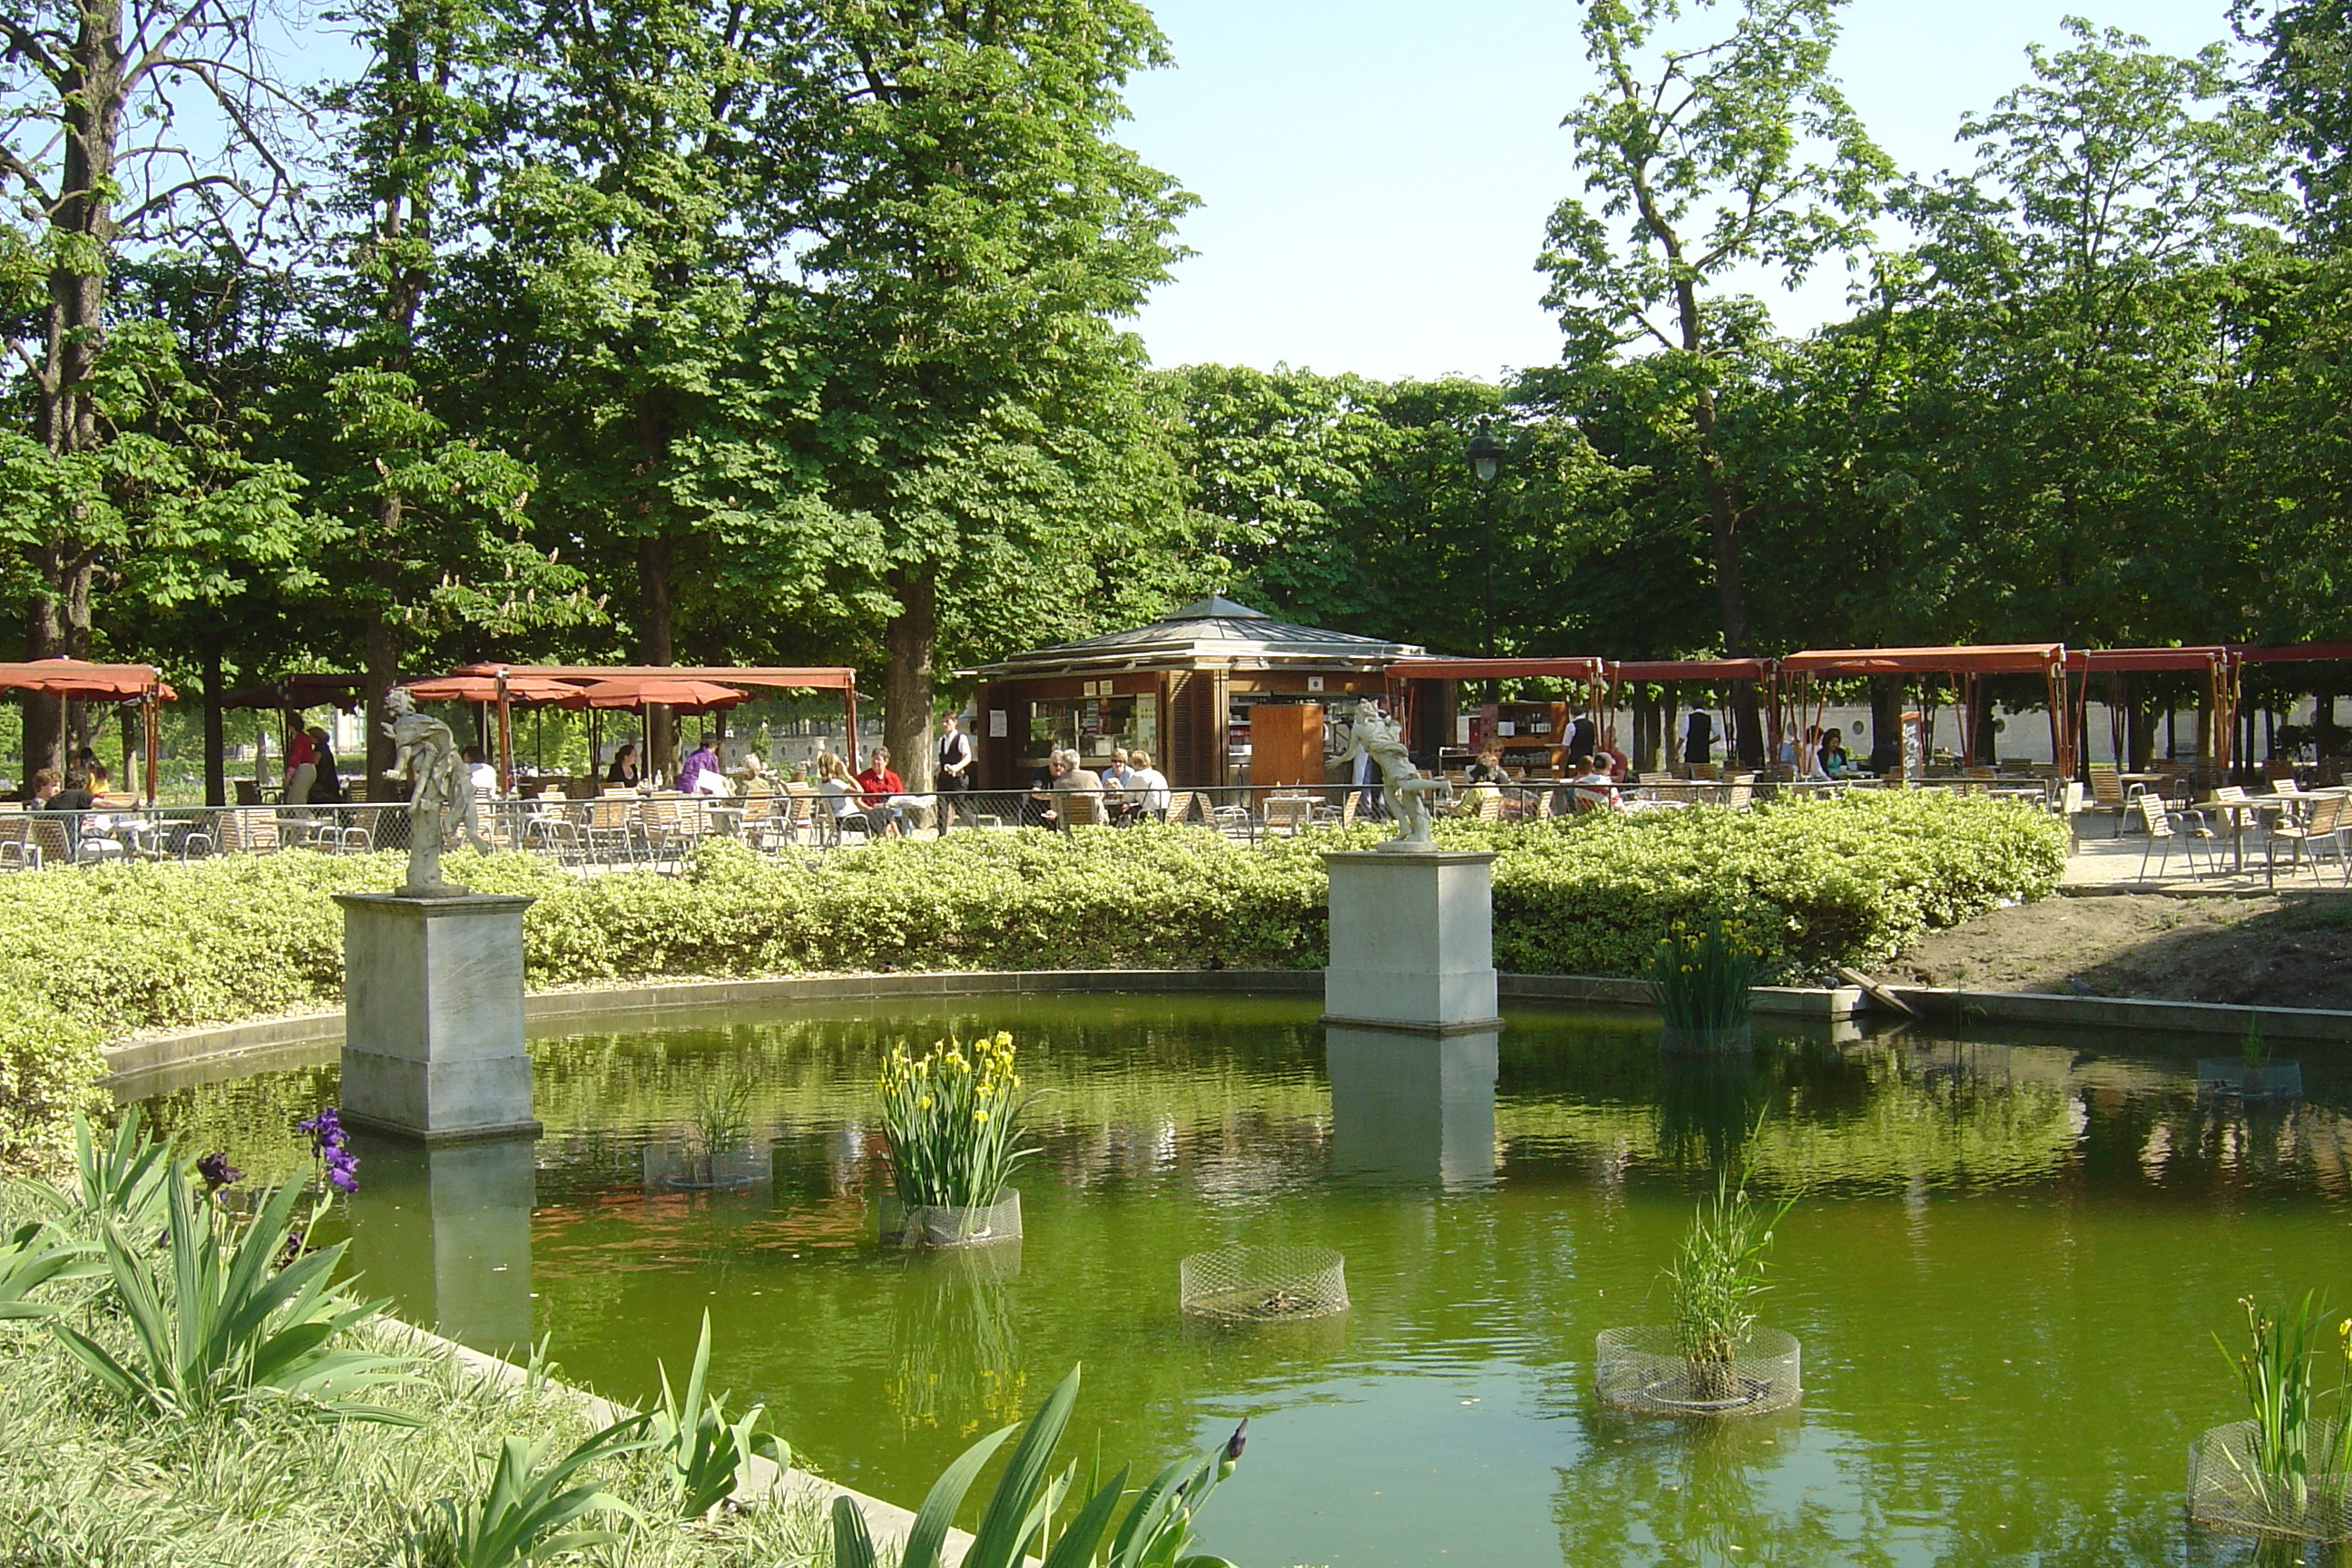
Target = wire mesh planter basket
(2228,1490)
(2266,1080)
(1263,1284)
(939,1224)
(1644,1370)
(684,1167)
(1707,1042)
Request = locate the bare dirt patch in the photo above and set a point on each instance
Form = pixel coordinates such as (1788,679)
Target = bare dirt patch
(2288,951)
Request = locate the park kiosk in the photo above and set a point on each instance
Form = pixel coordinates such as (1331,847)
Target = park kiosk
(1218,693)
(74,680)
(1526,734)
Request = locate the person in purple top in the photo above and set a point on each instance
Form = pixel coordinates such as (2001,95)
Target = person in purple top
(703,758)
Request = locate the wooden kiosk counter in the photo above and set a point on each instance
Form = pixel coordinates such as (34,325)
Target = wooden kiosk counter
(1217,692)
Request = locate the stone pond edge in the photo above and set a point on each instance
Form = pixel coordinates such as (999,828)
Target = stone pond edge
(224,1043)
(764,1481)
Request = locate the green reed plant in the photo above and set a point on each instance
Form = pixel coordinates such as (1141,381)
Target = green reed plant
(1700,978)
(2250,1044)
(124,1178)
(222,1314)
(702,1453)
(1716,1277)
(1024,1517)
(952,1122)
(36,1255)
(526,1515)
(2274,1375)
(720,1123)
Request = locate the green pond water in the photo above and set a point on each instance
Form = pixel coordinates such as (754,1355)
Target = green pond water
(2006,1270)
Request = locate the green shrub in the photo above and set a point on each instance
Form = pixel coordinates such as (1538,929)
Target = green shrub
(88,952)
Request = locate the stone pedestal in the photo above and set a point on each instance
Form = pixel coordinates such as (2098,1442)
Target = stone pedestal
(433,1042)
(1411,1107)
(1412,940)
(446,1232)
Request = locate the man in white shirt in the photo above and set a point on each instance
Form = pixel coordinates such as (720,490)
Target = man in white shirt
(479,774)
(953,774)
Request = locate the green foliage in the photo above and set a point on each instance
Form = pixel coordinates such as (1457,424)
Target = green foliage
(1019,1521)
(702,1453)
(720,1121)
(525,1515)
(1700,979)
(124,1180)
(49,1073)
(117,949)
(1720,1272)
(36,1255)
(217,1321)
(952,1122)
(2274,1376)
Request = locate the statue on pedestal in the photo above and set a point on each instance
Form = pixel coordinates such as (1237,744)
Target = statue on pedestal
(441,789)
(1371,733)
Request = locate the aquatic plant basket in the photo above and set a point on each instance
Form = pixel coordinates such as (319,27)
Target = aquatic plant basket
(2227,1489)
(2266,1080)
(1707,1042)
(1263,1284)
(925,1225)
(675,1167)
(1644,1370)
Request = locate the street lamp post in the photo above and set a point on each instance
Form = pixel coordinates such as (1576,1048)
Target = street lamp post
(1486,454)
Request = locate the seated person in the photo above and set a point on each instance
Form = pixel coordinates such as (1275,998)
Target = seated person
(1592,789)
(53,791)
(1042,810)
(879,783)
(624,772)
(1488,768)
(1886,757)
(479,774)
(1834,760)
(1147,789)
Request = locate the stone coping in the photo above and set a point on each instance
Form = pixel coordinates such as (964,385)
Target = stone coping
(295,1037)
(763,1481)
(2126,1014)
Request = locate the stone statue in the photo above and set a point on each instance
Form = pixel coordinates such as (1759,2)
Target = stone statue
(1371,733)
(441,788)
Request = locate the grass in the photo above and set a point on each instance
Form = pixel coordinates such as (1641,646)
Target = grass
(89,1478)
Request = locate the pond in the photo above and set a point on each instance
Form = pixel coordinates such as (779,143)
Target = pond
(2006,1270)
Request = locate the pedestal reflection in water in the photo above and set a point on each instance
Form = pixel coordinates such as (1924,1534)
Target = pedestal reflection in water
(445,1231)
(1409,1107)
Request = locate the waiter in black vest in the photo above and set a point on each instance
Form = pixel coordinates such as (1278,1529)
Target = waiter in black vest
(953,774)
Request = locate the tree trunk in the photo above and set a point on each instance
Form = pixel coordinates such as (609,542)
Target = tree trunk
(216,743)
(380,646)
(1886,711)
(657,644)
(907,642)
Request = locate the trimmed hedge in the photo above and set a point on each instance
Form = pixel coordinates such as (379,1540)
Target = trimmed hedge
(93,951)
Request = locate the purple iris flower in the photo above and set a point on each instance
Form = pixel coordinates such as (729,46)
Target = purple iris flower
(330,1144)
(217,1171)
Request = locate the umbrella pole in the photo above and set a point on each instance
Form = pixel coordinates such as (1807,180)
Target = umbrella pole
(506,740)
(147,714)
(849,721)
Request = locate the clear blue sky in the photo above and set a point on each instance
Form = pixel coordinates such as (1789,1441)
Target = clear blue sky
(1375,174)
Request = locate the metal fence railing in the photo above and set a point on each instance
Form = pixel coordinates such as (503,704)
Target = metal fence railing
(661,830)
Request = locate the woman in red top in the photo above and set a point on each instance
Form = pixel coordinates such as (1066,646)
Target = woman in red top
(879,784)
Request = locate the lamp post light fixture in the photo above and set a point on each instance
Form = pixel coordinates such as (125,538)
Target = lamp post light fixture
(1486,454)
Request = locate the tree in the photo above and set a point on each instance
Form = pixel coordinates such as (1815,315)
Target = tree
(433,523)
(2308,72)
(1734,154)
(91,92)
(979,239)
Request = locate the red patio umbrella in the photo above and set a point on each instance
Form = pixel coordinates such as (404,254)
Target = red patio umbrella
(487,688)
(670,692)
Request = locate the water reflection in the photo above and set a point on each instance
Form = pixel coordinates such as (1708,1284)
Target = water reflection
(1411,1108)
(446,1232)
(956,1363)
